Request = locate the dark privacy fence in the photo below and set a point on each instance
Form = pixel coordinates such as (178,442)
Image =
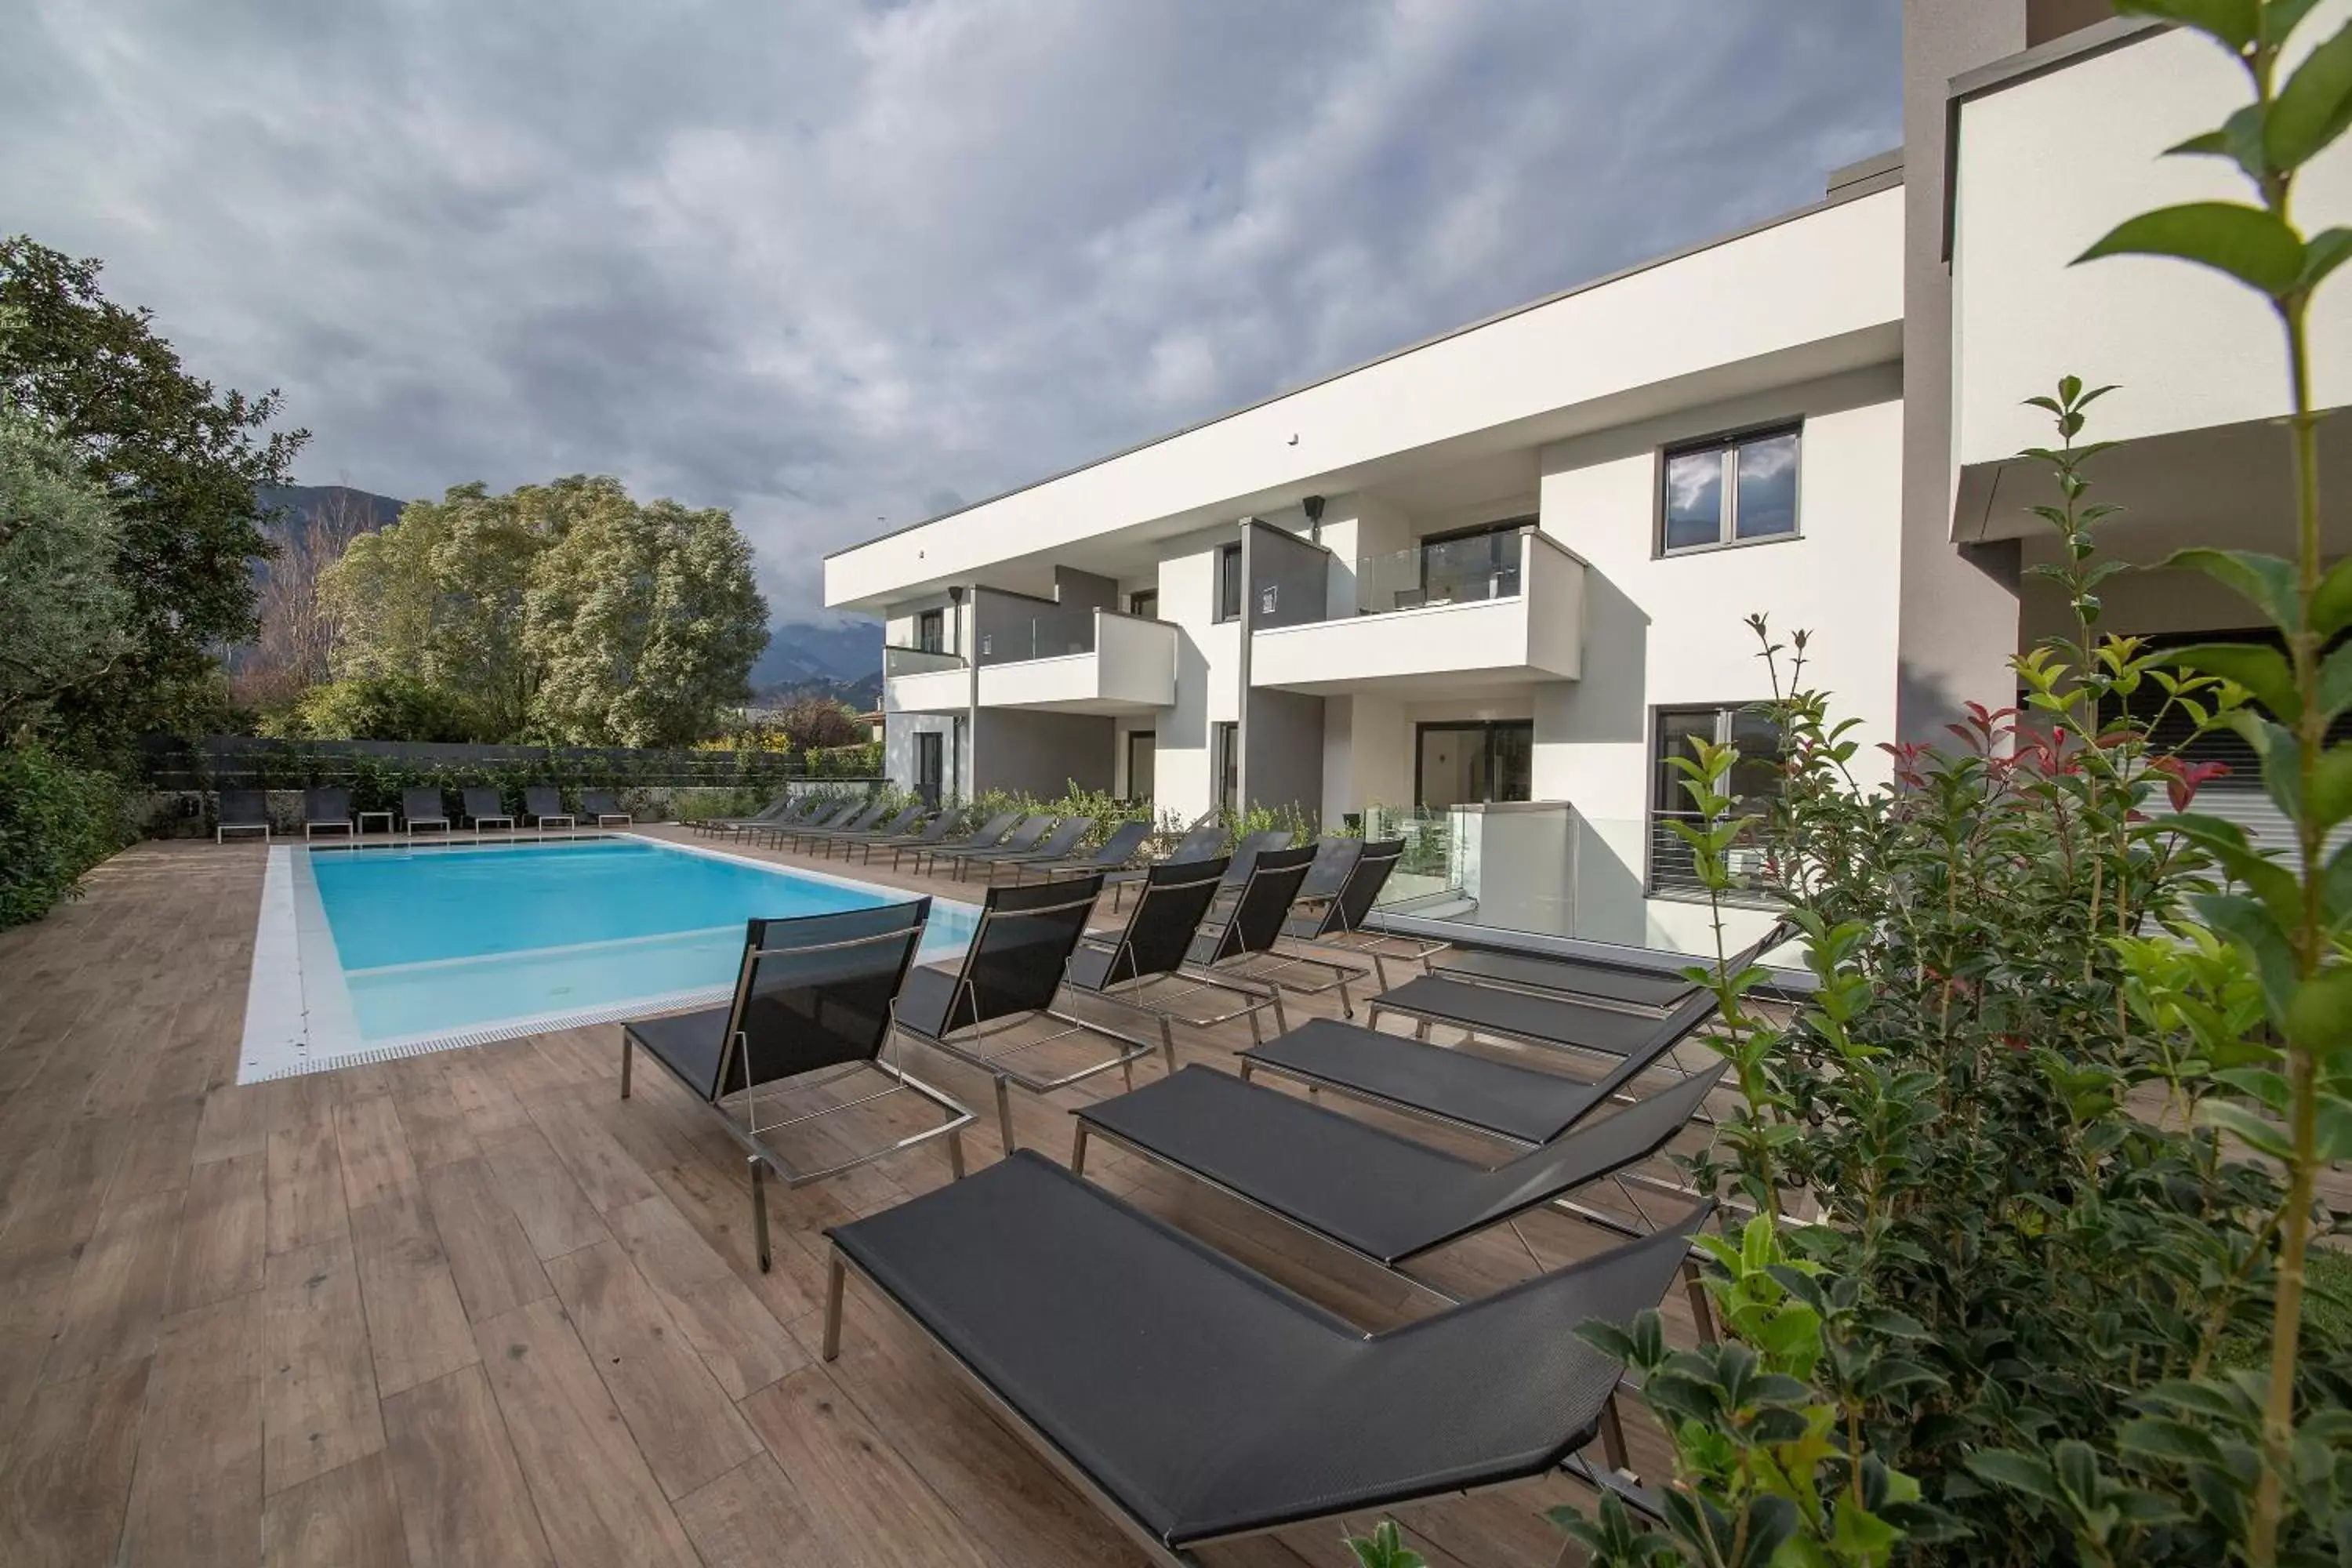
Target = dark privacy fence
(248,762)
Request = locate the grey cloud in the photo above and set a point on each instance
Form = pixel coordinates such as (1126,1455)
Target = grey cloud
(826,266)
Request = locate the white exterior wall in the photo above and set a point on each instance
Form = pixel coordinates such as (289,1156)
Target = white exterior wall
(2046,167)
(1208,673)
(1669,632)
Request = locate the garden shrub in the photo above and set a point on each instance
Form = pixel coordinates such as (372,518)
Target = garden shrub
(57,819)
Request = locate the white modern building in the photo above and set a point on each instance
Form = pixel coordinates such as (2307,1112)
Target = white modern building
(1483,584)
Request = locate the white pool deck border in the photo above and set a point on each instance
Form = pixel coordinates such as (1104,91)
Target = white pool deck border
(299,1017)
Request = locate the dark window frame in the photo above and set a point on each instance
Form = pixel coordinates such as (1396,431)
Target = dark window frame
(1144,604)
(1727,445)
(1488,728)
(931,631)
(1228,762)
(1510,525)
(1128,783)
(933,744)
(1661,787)
(1229,586)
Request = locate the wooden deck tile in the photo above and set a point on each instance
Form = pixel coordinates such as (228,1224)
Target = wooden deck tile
(319,1403)
(348,1517)
(417,1327)
(463,1501)
(197,1498)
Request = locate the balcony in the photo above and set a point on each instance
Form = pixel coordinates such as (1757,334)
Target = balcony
(1493,611)
(1121,664)
(924,680)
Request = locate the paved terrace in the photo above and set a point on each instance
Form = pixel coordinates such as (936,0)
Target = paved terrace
(472,1308)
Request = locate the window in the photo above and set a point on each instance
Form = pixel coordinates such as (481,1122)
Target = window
(1144,601)
(929,766)
(1229,582)
(1472,564)
(1738,491)
(930,631)
(1476,761)
(1141,754)
(1755,778)
(1229,766)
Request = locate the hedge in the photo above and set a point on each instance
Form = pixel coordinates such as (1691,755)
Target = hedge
(56,821)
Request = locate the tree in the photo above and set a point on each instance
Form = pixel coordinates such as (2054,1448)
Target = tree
(816,723)
(439,597)
(301,624)
(64,619)
(645,620)
(179,460)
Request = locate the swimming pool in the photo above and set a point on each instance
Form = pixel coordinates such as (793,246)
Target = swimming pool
(365,953)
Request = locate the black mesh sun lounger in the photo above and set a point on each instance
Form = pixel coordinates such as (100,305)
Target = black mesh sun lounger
(1528,1016)
(897,822)
(927,854)
(543,804)
(1010,973)
(1523,1105)
(1053,846)
(860,818)
(934,831)
(1114,853)
(1654,988)
(811,1000)
(483,807)
(781,809)
(1020,841)
(1193,1400)
(1361,1187)
(327,810)
(423,807)
(1145,967)
(1205,840)
(242,811)
(598,805)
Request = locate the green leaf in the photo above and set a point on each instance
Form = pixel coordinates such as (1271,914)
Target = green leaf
(2257,1132)
(2162,1437)
(2336,682)
(2017,1472)
(2322,253)
(2253,928)
(2335,1130)
(2314,107)
(2331,607)
(2261,671)
(2234,23)
(2265,582)
(2247,243)
(2240,140)
(2329,798)
(2321,1013)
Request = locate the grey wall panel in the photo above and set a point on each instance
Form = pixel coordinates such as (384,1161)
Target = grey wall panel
(1297,573)
(1282,750)
(1043,753)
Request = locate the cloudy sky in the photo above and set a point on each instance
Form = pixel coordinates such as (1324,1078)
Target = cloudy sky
(830,263)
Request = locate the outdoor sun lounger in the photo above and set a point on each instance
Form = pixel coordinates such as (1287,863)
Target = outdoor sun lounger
(1203,840)
(1387,1199)
(811,1007)
(326,811)
(1124,843)
(859,816)
(1530,1017)
(1339,888)
(934,832)
(1021,840)
(242,811)
(903,821)
(828,813)
(600,805)
(988,833)
(1054,846)
(1248,929)
(1194,1400)
(1467,1088)
(1144,968)
(423,806)
(1651,989)
(543,803)
(483,806)
(783,808)
(1012,973)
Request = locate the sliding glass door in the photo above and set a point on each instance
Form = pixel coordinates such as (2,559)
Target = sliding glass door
(1457,764)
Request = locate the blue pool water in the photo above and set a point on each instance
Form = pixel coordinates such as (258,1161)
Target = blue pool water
(434,941)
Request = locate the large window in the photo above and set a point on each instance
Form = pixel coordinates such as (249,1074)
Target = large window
(1755,778)
(1458,763)
(1229,582)
(1740,489)
(930,631)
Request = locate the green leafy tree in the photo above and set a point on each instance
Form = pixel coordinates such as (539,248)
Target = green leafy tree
(64,619)
(644,620)
(179,459)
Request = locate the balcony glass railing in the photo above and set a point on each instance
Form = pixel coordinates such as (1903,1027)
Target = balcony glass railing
(899,660)
(1444,572)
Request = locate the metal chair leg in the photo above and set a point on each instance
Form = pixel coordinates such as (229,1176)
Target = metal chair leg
(1004,1113)
(628,1055)
(955,1154)
(1078,1152)
(1612,1437)
(1168,1042)
(1702,1313)
(1347,1008)
(1126,1070)
(759,1213)
(835,1274)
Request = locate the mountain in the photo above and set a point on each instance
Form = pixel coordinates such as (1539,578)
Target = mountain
(341,509)
(801,651)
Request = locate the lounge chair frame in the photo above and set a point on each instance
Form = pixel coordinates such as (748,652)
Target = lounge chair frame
(500,815)
(408,823)
(963,1044)
(750,1133)
(588,808)
(539,819)
(222,827)
(312,826)
(1156,996)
